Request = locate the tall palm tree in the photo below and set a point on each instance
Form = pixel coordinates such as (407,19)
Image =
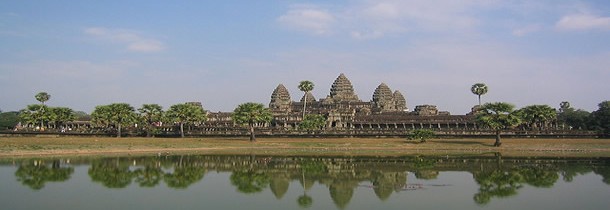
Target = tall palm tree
(479,89)
(306,86)
(42,97)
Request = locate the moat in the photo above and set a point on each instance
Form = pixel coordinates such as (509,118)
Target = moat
(280,182)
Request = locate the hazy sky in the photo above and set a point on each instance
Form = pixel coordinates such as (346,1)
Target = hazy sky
(223,53)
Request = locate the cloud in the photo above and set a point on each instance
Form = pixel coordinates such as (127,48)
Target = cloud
(309,19)
(133,41)
(372,19)
(576,22)
(522,31)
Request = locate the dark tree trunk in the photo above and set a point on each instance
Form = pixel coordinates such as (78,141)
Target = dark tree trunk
(252,136)
(119,131)
(498,142)
(182,130)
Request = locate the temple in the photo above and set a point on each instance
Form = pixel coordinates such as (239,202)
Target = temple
(386,113)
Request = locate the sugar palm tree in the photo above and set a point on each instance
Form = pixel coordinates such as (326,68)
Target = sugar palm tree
(306,86)
(42,97)
(479,89)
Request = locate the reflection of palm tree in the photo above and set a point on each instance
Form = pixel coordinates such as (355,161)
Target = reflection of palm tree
(249,181)
(539,177)
(111,174)
(304,200)
(36,174)
(184,175)
(497,183)
(150,176)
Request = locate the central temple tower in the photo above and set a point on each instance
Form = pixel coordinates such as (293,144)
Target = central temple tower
(342,91)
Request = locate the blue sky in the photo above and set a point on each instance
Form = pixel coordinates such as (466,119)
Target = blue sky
(223,53)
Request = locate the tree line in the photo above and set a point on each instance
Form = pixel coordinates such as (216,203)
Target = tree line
(115,117)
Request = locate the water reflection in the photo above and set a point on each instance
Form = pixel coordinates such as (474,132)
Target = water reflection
(35,173)
(496,177)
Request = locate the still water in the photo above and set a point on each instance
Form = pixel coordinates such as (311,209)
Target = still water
(263,182)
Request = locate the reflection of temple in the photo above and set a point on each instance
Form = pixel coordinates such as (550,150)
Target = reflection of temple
(342,176)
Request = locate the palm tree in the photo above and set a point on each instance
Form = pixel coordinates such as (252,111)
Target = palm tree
(150,114)
(305,86)
(250,114)
(498,116)
(479,89)
(538,116)
(118,114)
(186,113)
(42,97)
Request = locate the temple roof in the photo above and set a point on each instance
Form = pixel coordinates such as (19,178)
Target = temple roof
(280,98)
(310,97)
(382,93)
(401,102)
(281,93)
(342,90)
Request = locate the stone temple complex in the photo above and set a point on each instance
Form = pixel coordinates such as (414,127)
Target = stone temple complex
(345,111)
(345,114)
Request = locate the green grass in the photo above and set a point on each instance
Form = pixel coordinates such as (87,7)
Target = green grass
(40,146)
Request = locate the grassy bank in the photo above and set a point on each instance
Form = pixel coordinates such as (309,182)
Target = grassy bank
(81,146)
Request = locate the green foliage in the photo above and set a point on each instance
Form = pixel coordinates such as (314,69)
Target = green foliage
(117,114)
(149,115)
(250,181)
(186,113)
(479,89)
(306,86)
(8,120)
(251,114)
(36,174)
(601,118)
(421,134)
(498,116)
(42,97)
(313,122)
(576,119)
(34,113)
(537,116)
(58,116)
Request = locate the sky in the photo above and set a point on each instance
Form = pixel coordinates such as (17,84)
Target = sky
(223,53)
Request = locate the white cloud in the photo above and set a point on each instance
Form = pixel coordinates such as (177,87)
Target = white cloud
(583,22)
(133,41)
(371,19)
(308,19)
(522,31)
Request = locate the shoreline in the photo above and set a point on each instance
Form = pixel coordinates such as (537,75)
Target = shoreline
(32,147)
